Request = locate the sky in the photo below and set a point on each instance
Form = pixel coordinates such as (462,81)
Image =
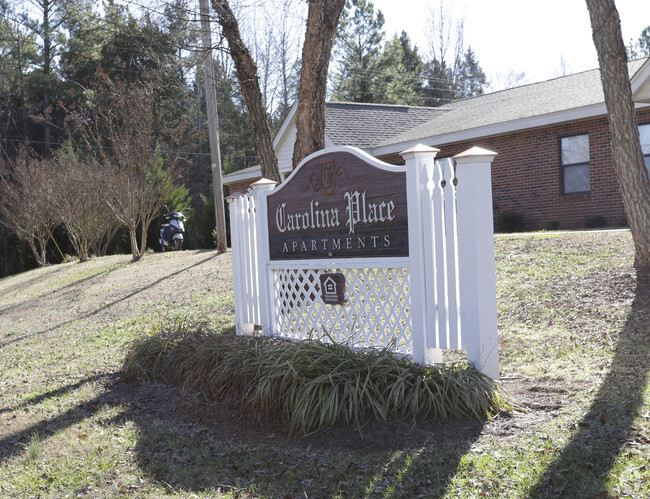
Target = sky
(543,39)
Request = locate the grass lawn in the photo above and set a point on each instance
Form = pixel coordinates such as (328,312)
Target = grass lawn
(574,328)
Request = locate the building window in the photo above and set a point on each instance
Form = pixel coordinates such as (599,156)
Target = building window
(575,164)
(644,132)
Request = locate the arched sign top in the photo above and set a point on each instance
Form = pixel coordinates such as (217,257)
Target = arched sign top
(361,155)
(339,202)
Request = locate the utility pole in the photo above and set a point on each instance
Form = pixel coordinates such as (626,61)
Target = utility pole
(213,126)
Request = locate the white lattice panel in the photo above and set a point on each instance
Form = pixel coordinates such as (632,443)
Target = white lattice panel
(377,311)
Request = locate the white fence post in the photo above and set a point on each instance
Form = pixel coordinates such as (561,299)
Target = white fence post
(417,159)
(478,309)
(260,190)
(235,205)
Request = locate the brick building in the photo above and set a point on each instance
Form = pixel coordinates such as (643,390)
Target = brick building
(554,164)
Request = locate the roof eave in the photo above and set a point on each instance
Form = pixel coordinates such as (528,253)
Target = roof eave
(252,174)
(241,176)
(640,83)
(255,173)
(497,129)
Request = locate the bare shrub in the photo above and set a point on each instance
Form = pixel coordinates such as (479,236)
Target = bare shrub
(26,200)
(82,203)
(123,131)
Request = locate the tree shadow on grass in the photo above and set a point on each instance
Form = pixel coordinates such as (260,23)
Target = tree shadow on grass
(582,467)
(14,443)
(37,399)
(139,404)
(426,468)
(231,452)
(33,304)
(19,284)
(186,443)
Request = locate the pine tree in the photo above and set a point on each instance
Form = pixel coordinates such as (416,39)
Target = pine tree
(393,83)
(410,57)
(452,72)
(19,55)
(470,78)
(358,48)
(640,47)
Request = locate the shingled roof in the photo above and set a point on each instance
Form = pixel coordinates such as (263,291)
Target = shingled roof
(537,100)
(368,125)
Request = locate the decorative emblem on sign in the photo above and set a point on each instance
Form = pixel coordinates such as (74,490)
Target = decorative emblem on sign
(332,288)
(325,180)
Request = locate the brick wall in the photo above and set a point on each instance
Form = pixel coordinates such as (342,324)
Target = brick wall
(241,186)
(527,175)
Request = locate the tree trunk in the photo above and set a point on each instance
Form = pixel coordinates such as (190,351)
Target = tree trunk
(626,145)
(250,89)
(43,259)
(135,251)
(38,245)
(143,239)
(322,19)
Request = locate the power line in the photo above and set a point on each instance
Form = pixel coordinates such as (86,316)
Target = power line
(15,140)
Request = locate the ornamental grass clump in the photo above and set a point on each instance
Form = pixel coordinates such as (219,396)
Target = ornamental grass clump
(310,385)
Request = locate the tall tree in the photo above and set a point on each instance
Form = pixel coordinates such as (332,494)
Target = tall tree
(18,57)
(52,16)
(370,70)
(322,20)
(287,49)
(445,32)
(627,154)
(452,71)
(236,140)
(250,89)
(470,80)
(81,202)
(122,133)
(445,82)
(86,35)
(273,32)
(411,58)
(413,65)
(640,47)
(393,83)
(358,45)
(26,201)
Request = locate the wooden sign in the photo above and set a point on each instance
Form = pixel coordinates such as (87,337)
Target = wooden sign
(332,288)
(339,205)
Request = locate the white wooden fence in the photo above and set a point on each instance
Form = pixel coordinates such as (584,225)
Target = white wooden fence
(441,296)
